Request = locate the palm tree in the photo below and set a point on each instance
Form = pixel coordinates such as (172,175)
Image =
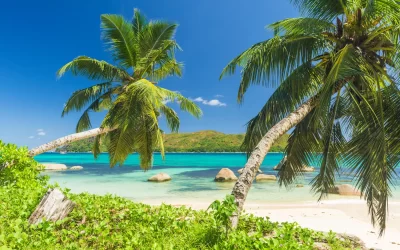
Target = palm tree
(144,53)
(338,69)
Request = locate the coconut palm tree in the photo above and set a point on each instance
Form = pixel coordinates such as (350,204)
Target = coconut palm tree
(337,76)
(144,54)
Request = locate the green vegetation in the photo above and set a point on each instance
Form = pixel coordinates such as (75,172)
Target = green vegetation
(111,222)
(202,141)
(339,66)
(144,54)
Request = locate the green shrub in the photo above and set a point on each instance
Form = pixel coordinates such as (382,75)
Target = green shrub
(111,222)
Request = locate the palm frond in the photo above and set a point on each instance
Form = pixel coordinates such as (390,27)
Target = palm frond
(81,98)
(302,84)
(120,39)
(171,117)
(184,103)
(138,22)
(373,11)
(302,145)
(302,26)
(168,68)
(84,122)
(156,58)
(133,114)
(93,69)
(321,9)
(269,62)
(367,156)
(332,143)
(154,35)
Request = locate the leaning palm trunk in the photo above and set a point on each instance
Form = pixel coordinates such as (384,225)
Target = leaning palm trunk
(242,186)
(68,139)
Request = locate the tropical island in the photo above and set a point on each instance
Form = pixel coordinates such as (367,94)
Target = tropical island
(201,141)
(332,78)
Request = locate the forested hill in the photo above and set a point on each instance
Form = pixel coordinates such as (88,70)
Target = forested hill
(201,141)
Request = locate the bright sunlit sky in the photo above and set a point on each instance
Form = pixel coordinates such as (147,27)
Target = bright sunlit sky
(38,37)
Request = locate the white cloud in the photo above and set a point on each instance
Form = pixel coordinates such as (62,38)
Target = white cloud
(199,99)
(40,130)
(219,96)
(41,133)
(214,102)
(31,137)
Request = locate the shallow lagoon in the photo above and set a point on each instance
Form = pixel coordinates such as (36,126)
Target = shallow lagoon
(192,177)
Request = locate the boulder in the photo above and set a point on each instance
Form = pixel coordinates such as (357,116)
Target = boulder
(307,169)
(345,189)
(240,171)
(265,177)
(54,166)
(321,246)
(299,185)
(161,177)
(304,169)
(76,168)
(225,174)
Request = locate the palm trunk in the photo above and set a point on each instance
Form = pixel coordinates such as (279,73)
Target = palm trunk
(243,184)
(68,139)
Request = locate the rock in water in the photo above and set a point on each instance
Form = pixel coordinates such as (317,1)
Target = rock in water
(304,169)
(54,206)
(240,171)
(299,185)
(265,177)
(54,166)
(345,189)
(307,169)
(76,168)
(225,174)
(161,177)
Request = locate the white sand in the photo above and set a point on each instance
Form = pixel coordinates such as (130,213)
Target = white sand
(342,216)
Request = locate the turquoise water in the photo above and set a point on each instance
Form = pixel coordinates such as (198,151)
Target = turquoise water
(192,178)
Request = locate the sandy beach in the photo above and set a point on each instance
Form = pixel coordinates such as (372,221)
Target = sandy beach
(346,216)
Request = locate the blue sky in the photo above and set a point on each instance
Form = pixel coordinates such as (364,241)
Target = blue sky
(38,37)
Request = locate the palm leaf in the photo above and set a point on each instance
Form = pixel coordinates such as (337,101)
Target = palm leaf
(302,145)
(271,61)
(302,84)
(138,22)
(332,141)
(154,35)
(93,69)
(321,9)
(81,98)
(120,39)
(302,26)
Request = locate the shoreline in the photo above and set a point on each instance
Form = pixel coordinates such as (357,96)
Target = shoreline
(346,216)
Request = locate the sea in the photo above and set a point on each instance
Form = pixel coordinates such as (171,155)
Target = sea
(192,178)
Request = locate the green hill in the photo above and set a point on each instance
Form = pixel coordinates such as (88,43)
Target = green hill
(201,141)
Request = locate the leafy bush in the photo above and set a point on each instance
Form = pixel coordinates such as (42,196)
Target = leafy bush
(111,222)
